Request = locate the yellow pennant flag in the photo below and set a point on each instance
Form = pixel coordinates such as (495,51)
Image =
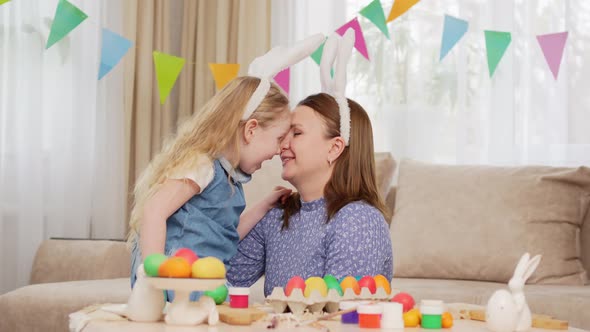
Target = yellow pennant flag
(168,68)
(399,7)
(223,73)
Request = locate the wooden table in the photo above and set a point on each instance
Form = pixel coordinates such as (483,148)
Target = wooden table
(334,326)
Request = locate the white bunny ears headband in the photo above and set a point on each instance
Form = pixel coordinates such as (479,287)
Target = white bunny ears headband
(338,49)
(271,63)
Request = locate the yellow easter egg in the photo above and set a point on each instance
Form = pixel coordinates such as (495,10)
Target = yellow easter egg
(381,281)
(208,268)
(350,282)
(315,283)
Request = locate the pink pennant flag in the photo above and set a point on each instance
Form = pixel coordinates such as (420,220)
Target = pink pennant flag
(552,46)
(359,38)
(283,79)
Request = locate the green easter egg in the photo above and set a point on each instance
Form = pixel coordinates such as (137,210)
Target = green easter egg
(333,283)
(152,263)
(218,295)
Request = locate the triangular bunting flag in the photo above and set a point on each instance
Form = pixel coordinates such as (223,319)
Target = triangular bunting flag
(399,7)
(317,54)
(283,79)
(168,68)
(223,73)
(453,31)
(359,39)
(552,46)
(67,18)
(496,44)
(374,12)
(3,1)
(114,47)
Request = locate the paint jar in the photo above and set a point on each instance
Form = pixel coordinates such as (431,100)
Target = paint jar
(351,317)
(431,311)
(238,297)
(392,317)
(370,316)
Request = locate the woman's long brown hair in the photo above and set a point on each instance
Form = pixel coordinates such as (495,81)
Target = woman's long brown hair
(354,176)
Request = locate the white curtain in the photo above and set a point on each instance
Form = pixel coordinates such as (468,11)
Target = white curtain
(452,111)
(61,130)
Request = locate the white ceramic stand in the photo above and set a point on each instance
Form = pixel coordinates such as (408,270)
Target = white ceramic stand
(183,312)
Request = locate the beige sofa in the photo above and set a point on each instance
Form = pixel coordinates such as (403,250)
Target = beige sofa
(420,205)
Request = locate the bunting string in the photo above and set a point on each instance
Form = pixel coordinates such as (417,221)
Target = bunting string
(168,67)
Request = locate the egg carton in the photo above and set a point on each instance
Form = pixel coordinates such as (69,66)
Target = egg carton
(298,304)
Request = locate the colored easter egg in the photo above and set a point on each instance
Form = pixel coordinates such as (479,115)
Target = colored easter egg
(152,263)
(295,282)
(447,320)
(218,295)
(175,267)
(208,268)
(381,281)
(411,318)
(187,254)
(350,282)
(405,299)
(332,283)
(315,283)
(358,278)
(368,282)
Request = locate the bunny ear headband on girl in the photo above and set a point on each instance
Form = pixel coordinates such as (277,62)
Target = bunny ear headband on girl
(268,65)
(338,49)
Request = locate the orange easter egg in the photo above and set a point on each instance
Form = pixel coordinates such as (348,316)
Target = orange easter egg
(175,267)
(350,282)
(381,281)
(447,320)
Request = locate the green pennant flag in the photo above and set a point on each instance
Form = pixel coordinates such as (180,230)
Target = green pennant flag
(3,1)
(317,54)
(168,68)
(374,12)
(496,44)
(67,18)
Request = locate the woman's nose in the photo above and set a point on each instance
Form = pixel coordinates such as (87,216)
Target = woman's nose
(284,144)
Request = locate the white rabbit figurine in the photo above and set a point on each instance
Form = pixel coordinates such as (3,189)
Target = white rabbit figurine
(509,311)
(146,302)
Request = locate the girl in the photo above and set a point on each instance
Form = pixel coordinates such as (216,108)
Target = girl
(191,193)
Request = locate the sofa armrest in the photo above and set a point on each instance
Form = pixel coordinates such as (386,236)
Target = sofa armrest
(60,260)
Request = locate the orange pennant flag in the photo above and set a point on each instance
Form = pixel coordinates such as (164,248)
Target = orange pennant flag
(223,73)
(399,7)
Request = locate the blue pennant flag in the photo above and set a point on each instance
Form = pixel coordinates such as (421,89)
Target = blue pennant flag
(453,31)
(114,47)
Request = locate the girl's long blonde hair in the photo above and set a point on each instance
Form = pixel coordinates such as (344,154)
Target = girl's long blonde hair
(210,132)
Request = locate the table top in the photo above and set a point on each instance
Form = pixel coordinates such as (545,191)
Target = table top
(333,326)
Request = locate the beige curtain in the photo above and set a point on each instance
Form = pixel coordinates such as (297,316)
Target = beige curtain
(200,31)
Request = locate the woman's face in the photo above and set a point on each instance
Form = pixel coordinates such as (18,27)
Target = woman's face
(304,150)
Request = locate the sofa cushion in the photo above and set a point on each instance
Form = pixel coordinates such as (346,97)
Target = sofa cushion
(474,222)
(269,176)
(45,307)
(93,259)
(569,303)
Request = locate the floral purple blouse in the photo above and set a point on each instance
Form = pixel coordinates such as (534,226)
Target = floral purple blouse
(355,242)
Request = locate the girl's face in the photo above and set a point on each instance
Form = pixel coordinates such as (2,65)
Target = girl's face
(264,144)
(304,151)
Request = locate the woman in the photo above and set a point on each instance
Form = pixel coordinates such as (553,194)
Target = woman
(336,222)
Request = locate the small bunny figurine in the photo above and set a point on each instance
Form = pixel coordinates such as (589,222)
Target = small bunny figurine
(146,302)
(509,311)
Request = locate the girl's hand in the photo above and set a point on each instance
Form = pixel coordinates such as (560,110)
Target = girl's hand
(278,194)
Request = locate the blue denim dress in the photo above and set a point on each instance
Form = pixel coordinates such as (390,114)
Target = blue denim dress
(208,222)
